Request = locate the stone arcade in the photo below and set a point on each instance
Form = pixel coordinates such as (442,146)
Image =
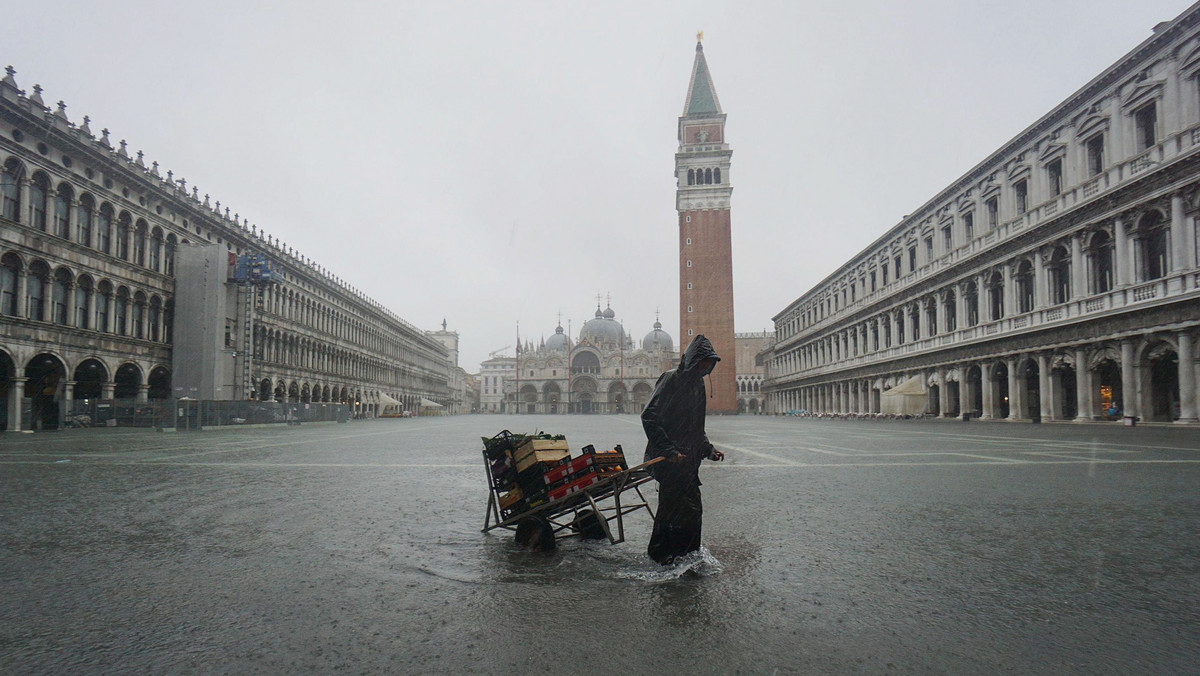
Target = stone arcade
(1055,279)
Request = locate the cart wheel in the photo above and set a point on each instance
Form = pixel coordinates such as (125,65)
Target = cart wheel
(588,526)
(536,534)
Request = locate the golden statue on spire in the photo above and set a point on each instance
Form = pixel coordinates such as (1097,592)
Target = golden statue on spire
(699,36)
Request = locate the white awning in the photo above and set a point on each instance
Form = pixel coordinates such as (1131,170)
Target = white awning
(386,400)
(428,403)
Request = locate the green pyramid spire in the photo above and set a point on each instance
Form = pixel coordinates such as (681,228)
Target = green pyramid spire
(702,96)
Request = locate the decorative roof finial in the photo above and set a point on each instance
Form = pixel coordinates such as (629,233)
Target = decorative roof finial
(154,169)
(62,111)
(85,129)
(123,152)
(104,139)
(195,194)
(37,96)
(183,185)
(140,162)
(227,213)
(170,177)
(206,201)
(8,78)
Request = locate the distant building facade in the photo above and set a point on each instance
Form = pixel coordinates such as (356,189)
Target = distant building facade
(604,371)
(1056,280)
(96,248)
(750,349)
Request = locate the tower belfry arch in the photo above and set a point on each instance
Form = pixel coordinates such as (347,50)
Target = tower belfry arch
(702,198)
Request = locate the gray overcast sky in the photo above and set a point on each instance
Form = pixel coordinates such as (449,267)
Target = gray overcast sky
(496,162)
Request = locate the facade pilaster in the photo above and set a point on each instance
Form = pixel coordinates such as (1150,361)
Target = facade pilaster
(16,397)
(1179,236)
(1016,400)
(1121,259)
(25,214)
(989,394)
(68,407)
(1078,268)
(1040,283)
(1083,386)
(1010,307)
(1046,399)
(964,389)
(23,293)
(1129,396)
(1187,378)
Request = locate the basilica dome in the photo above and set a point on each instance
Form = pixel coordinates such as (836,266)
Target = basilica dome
(658,340)
(559,341)
(602,329)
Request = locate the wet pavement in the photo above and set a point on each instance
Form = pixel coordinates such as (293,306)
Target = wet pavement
(843,547)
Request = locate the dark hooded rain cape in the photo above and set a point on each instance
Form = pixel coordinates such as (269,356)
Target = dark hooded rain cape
(674,424)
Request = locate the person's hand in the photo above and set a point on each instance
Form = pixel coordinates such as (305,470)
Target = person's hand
(675,457)
(717,455)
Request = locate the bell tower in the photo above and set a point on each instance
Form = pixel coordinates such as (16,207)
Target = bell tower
(705,248)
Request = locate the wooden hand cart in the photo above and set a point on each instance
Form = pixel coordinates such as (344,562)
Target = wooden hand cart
(561,514)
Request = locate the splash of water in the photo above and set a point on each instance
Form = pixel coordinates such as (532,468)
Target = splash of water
(697,564)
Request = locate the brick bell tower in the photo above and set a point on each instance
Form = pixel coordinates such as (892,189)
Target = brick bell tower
(705,248)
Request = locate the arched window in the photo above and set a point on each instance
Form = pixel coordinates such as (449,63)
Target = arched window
(62,210)
(950,309)
(1024,280)
(83,220)
(168,320)
(691,177)
(104,221)
(156,250)
(1100,262)
(38,189)
(138,330)
(60,296)
(10,270)
(1151,244)
(170,254)
(35,309)
(717,175)
(708,176)
(123,224)
(1060,276)
(139,242)
(121,312)
(154,318)
(102,301)
(83,293)
(995,290)
(10,190)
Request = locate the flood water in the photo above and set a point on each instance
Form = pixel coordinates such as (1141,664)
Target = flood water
(837,547)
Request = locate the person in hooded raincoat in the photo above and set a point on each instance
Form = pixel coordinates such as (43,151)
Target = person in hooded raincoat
(674,425)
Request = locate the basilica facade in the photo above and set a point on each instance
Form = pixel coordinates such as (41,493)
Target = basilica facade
(603,371)
(1056,280)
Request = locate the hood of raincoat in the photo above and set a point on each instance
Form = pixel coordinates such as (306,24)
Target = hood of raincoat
(697,351)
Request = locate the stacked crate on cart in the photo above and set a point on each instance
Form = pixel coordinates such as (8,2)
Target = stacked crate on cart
(588,469)
(518,465)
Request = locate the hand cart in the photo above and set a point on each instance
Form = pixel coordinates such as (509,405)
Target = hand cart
(562,514)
